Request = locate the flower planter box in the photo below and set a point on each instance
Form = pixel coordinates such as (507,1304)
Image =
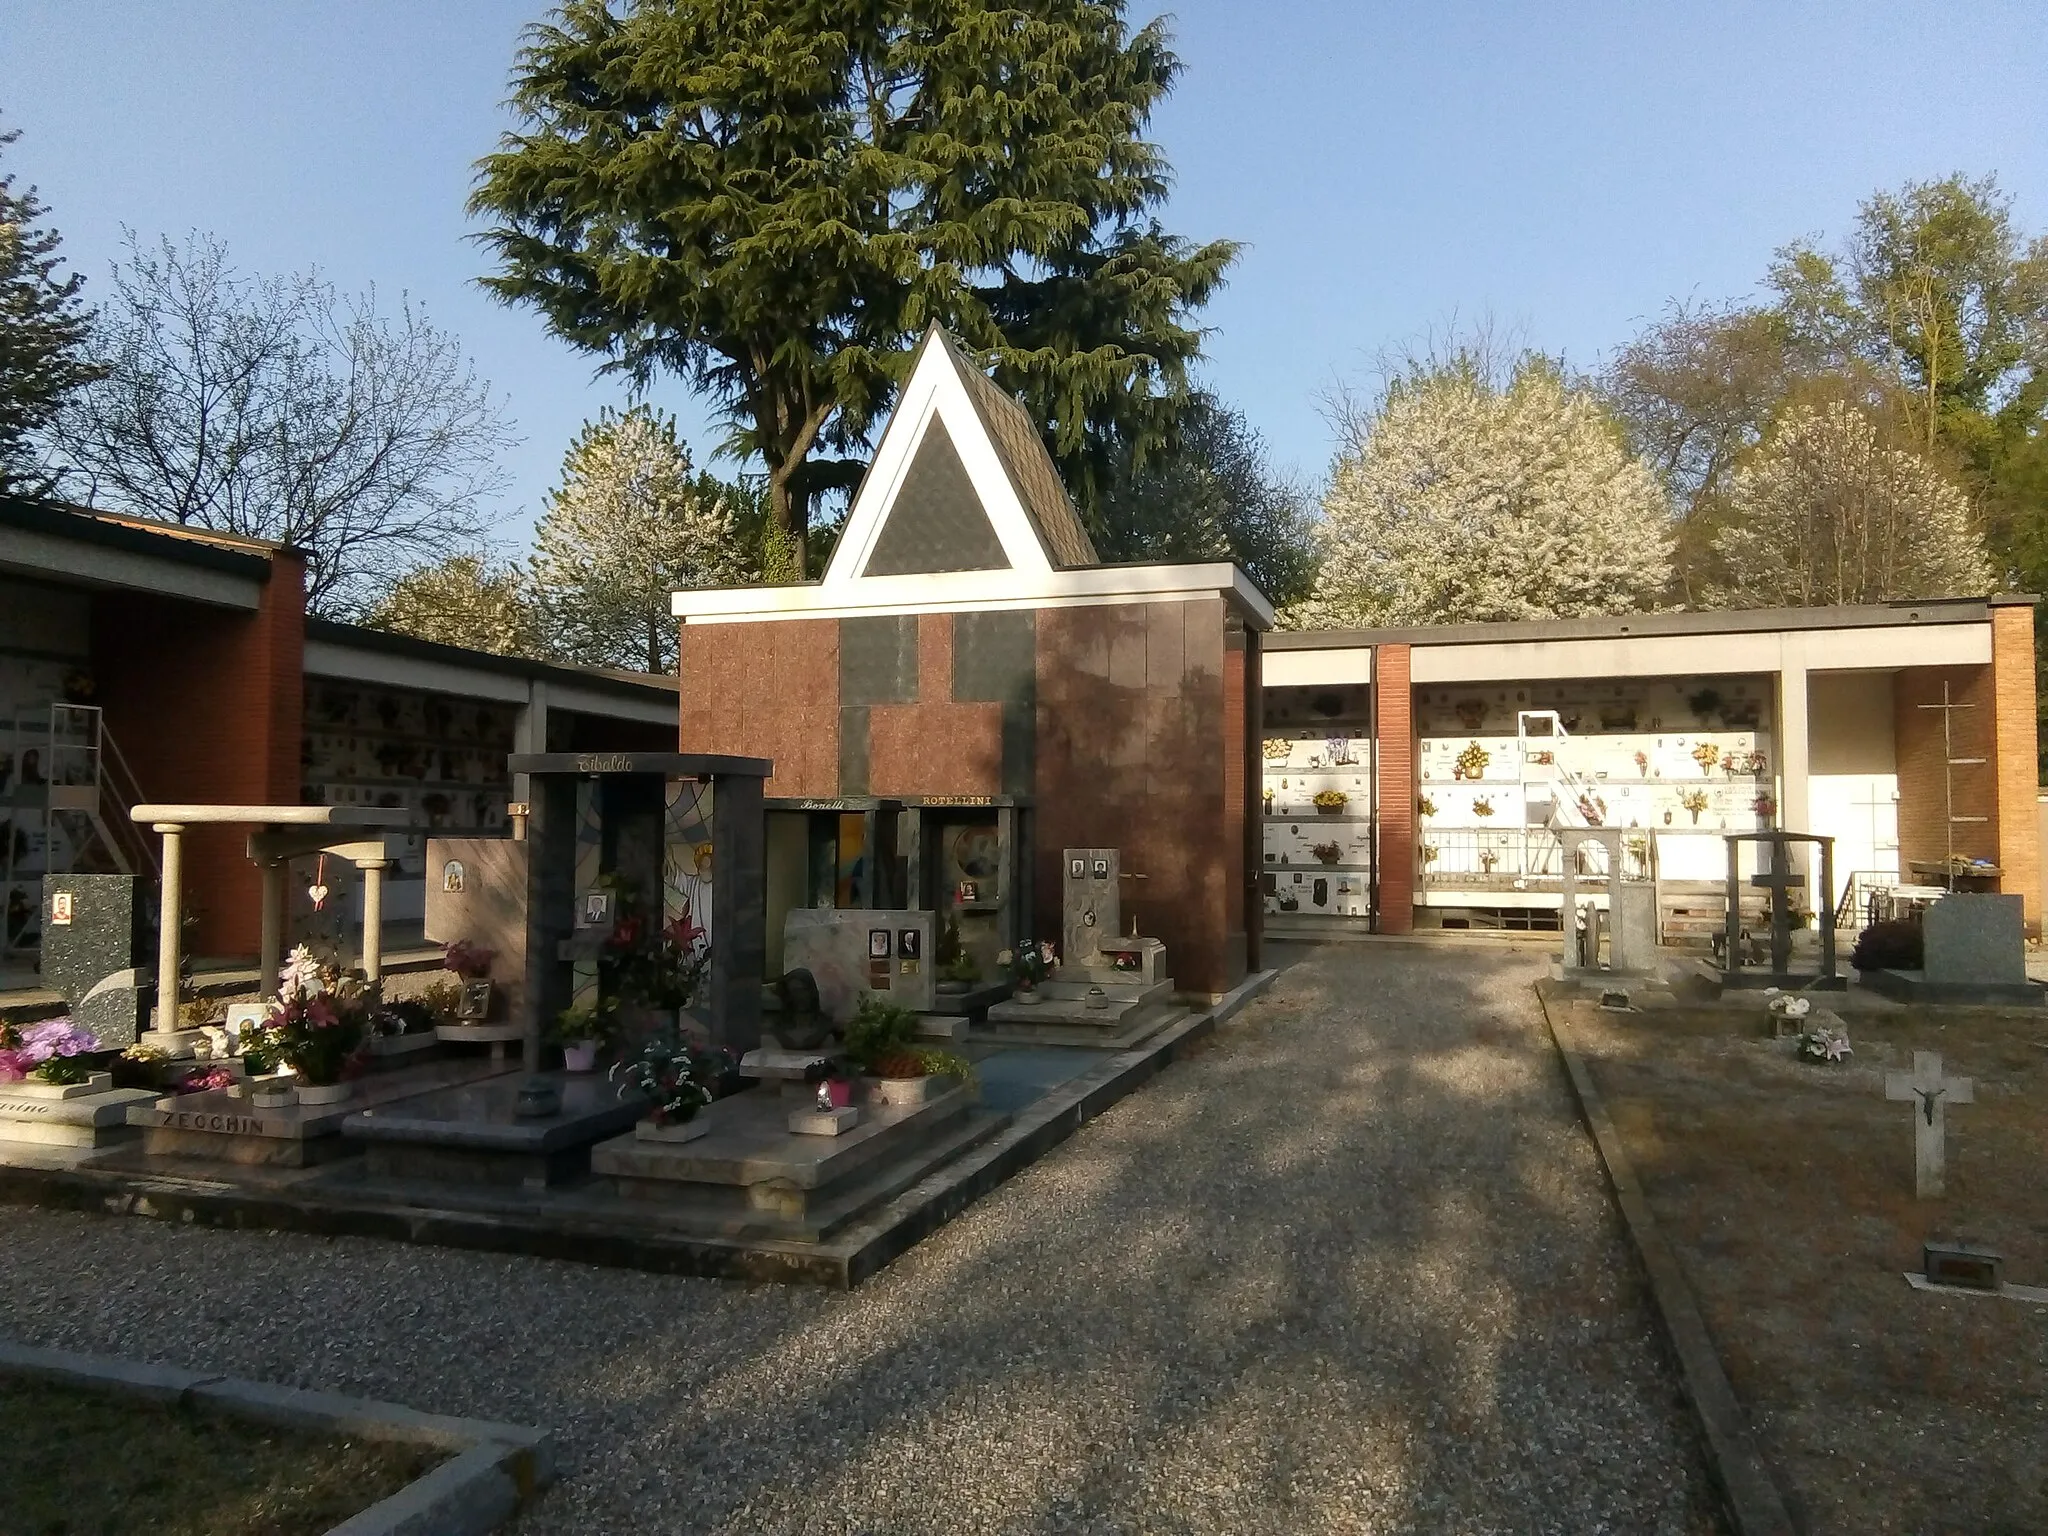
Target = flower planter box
(904,1092)
(36,1088)
(674,1131)
(403,1045)
(581,1058)
(325,1093)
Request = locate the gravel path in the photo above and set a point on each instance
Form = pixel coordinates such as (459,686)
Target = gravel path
(1351,1269)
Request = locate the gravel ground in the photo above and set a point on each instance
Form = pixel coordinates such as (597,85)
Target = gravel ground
(1352,1269)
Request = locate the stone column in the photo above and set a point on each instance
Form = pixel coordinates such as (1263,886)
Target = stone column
(373,918)
(1795,809)
(271,957)
(171,916)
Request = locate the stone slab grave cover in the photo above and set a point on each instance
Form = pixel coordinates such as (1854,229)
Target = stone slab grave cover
(93,947)
(89,1114)
(227,1127)
(853,953)
(476,1135)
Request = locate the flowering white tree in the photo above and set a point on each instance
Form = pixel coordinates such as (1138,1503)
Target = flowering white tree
(1465,501)
(463,600)
(1826,512)
(629,525)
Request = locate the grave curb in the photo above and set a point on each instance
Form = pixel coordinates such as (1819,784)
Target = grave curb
(496,1471)
(841,1264)
(1750,1496)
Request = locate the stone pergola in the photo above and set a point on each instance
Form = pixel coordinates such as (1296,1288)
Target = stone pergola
(360,834)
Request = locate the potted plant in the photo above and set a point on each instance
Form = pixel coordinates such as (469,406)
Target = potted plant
(655,968)
(582,1030)
(470,961)
(1471,762)
(880,1043)
(318,1026)
(1030,965)
(1331,802)
(679,1078)
(957,970)
(1327,853)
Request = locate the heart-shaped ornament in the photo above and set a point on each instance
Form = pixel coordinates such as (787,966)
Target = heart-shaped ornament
(318,894)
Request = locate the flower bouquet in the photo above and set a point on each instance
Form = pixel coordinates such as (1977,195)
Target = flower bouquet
(319,1026)
(1030,965)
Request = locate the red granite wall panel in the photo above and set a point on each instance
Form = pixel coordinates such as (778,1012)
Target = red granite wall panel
(1394,697)
(207,706)
(766,690)
(1132,747)
(935,749)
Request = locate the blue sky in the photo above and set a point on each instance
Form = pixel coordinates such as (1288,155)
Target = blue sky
(1566,168)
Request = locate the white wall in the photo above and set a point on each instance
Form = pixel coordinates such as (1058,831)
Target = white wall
(1853,781)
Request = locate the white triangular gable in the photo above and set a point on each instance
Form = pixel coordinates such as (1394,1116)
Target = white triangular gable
(936,391)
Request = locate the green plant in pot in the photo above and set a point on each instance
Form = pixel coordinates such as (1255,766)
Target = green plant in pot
(880,1042)
(956,967)
(583,1031)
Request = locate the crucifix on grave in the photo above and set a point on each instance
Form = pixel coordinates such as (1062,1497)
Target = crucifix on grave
(1930,1094)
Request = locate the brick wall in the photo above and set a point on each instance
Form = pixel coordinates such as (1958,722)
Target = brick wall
(1918,735)
(2012,687)
(1394,756)
(207,705)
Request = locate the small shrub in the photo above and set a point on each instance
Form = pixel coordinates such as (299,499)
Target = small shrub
(1892,946)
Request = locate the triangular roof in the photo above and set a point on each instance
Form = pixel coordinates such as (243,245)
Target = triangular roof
(962,511)
(960,482)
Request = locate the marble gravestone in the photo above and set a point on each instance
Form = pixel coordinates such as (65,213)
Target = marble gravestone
(477,890)
(1975,940)
(852,953)
(93,941)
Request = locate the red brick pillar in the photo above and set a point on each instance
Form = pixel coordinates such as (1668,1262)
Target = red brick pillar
(2014,752)
(1394,771)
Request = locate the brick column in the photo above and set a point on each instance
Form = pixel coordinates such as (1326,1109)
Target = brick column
(2013,731)
(1394,771)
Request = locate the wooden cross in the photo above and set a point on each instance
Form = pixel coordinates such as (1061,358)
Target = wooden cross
(1930,1094)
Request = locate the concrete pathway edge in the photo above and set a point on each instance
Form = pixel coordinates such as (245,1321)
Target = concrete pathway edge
(1754,1503)
(497,1469)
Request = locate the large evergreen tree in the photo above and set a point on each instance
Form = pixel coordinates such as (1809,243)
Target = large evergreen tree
(44,326)
(772,200)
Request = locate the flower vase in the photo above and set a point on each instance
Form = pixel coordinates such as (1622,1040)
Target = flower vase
(1028,996)
(580,1057)
(903,1092)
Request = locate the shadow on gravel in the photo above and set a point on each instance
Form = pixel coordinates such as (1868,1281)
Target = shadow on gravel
(1352,1268)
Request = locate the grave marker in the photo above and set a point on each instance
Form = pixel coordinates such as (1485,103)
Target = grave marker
(1930,1094)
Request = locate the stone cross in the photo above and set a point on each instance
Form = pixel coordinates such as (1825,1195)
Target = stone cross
(1930,1094)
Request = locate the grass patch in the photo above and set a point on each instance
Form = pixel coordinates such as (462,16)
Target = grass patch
(87,1464)
(1786,1190)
